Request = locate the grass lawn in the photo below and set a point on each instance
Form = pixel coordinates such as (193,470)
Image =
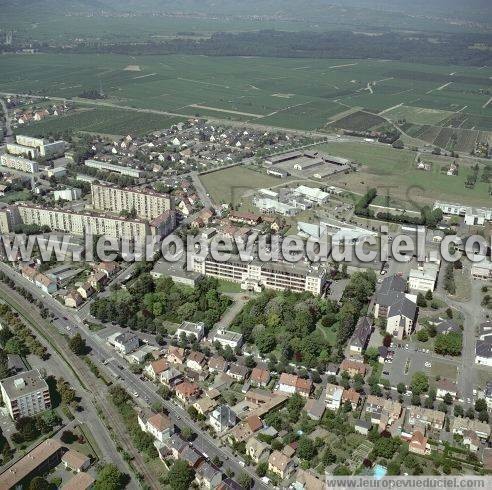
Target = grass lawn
(463,285)
(231,184)
(443,370)
(229,287)
(394,173)
(11,197)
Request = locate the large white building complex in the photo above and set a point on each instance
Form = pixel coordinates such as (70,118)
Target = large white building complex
(473,216)
(79,223)
(146,203)
(25,394)
(19,163)
(256,275)
(35,147)
(111,167)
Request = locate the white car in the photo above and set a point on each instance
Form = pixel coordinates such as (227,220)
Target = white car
(428,364)
(135,394)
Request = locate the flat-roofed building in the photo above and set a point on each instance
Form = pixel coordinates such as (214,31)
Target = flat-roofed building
(190,328)
(19,163)
(79,223)
(147,203)
(255,275)
(111,167)
(228,337)
(25,394)
(424,278)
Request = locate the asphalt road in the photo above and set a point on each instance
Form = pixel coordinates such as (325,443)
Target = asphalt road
(101,351)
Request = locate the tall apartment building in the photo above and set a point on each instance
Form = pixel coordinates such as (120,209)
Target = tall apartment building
(25,394)
(35,147)
(111,167)
(147,204)
(271,275)
(19,163)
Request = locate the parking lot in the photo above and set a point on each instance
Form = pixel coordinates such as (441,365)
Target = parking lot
(407,361)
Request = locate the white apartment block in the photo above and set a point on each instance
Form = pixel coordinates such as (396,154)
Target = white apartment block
(19,163)
(257,275)
(111,167)
(35,147)
(147,204)
(424,278)
(68,194)
(78,223)
(25,394)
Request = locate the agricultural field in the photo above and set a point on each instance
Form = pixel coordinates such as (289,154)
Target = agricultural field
(231,184)
(395,172)
(280,92)
(100,120)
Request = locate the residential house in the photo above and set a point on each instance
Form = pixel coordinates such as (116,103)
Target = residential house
(392,288)
(362,427)
(401,317)
(333,396)
(157,425)
(124,342)
(75,461)
(382,411)
(315,408)
(418,444)
(280,464)
(447,326)
(108,268)
(97,280)
(222,418)
(176,355)
(290,383)
(353,367)
(260,377)
(86,290)
(471,440)
(238,372)
(193,457)
(155,368)
(217,364)
(307,480)
(208,476)
(444,386)
(171,377)
(352,397)
(460,424)
(360,338)
(257,450)
(46,284)
(196,361)
(420,416)
(73,299)
(204,405)
(187,392)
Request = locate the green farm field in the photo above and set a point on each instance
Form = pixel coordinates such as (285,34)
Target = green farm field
(304,94)
(101,120)
(395,172)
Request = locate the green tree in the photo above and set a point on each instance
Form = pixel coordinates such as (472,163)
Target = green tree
(77,344)
(110,478)
(38,483)
(420,383)
(180,475)
(306,449)
(265,341)
(245,481)
(480,405)
(262,468)
(401,388)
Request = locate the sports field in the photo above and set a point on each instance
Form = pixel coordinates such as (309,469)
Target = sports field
(231,184)
(290,93)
